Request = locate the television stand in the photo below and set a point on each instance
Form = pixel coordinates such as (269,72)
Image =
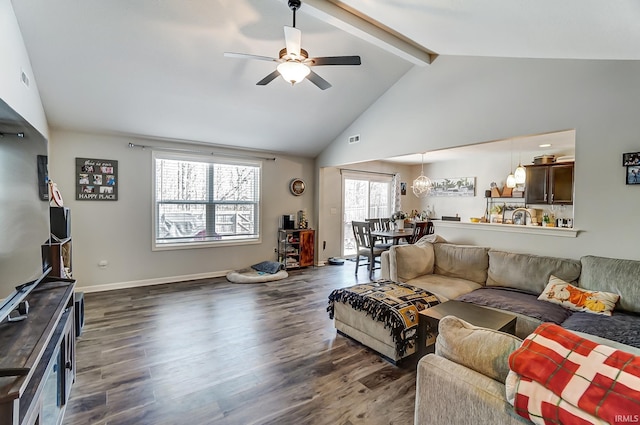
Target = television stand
(37,356)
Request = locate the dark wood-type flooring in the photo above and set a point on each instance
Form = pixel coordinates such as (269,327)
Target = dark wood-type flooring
(213,352)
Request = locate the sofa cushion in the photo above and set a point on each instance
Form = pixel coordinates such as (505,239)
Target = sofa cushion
(462,261)
(517,301)
(411,260)
(613,275)
(484,350)
(432,238)
(619,327)
(444,287)
(528,272)
(565,294)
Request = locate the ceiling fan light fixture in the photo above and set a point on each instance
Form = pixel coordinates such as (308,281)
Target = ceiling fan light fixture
(293,72)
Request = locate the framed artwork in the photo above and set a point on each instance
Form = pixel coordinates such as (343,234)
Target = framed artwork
(96,179)
(632,158)
(457,186)
(43,177)
(633,175)
(403,188)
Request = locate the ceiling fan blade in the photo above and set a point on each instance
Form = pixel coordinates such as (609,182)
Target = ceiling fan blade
(293,40)
(334,60)
(247,56)
(318,81)
(269,78)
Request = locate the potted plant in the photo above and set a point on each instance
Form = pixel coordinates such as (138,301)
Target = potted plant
(398,219)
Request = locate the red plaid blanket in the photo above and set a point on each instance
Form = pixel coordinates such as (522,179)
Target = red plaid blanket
(566,379)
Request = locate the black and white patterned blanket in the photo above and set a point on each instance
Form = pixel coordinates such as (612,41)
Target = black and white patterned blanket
(395,304)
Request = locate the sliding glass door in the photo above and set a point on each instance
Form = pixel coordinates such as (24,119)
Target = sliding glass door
(364,196)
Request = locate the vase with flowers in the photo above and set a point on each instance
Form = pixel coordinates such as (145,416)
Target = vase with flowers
(398,219)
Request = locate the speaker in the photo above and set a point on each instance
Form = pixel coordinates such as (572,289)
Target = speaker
(60,222)
(79,312)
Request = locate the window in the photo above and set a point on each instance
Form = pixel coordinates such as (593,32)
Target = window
(205,201)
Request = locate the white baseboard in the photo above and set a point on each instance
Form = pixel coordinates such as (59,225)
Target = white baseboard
(148,282)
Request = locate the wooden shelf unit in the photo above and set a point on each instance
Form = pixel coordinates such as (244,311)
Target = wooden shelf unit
(44,345)
(57,253)
(296,247)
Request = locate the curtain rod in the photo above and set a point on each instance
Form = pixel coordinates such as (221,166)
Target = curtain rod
(367,172)
(132,145)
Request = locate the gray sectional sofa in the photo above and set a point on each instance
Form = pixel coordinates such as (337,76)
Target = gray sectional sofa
(513,281)
(475,370)
(501,280)
(472,373)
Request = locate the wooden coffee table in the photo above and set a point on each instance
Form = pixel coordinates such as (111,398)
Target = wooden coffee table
(474,314)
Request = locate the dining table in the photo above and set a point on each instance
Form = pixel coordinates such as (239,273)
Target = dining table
(395,235)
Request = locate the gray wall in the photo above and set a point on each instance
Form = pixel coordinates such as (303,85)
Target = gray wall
(330,202)
(25,100)
(463,100)
(120,231)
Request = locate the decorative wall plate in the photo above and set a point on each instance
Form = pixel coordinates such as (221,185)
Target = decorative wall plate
(297,187)
(54,195)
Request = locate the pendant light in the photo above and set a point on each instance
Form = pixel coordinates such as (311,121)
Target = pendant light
(511,179)
(422,185)
(520,174)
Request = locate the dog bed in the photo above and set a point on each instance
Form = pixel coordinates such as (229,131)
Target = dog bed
(250,275)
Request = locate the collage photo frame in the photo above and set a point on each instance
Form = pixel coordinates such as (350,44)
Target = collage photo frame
(96,179)
(631,160)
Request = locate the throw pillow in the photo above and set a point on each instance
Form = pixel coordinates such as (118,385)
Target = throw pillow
(432,238)
(484,350)
(560,292)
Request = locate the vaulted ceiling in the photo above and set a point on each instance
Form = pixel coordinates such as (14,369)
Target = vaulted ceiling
(156,67)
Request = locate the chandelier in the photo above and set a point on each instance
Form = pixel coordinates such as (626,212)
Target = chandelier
(422,185)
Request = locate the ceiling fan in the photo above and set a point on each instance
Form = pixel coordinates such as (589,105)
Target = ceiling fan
(294,62)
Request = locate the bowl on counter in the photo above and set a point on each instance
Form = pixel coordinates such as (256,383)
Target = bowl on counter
(475,219)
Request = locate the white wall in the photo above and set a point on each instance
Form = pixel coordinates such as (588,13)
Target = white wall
(120,231)
(463,100)
(15,60)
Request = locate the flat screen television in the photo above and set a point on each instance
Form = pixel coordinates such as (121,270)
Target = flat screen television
(24,213)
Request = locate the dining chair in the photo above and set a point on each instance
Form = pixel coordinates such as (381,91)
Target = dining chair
(366,247)
(420,229)
(377,224)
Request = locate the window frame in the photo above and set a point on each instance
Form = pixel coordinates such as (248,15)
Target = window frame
(209,159)
(369,177)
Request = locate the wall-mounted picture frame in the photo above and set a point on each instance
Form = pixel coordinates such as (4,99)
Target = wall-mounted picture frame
(403,188)
(96,179)
(43,177)
(456,186)
(631,158)
(633,175)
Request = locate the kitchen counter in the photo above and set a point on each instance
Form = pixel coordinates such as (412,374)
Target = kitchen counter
(512,228)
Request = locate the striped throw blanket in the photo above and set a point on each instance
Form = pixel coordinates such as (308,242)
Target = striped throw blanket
(395,304)
(563,378)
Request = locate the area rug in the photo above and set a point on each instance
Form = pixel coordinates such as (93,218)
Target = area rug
(395,304)
(250,275)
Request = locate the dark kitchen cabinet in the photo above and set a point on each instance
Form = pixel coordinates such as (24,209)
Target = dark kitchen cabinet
(549,184)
